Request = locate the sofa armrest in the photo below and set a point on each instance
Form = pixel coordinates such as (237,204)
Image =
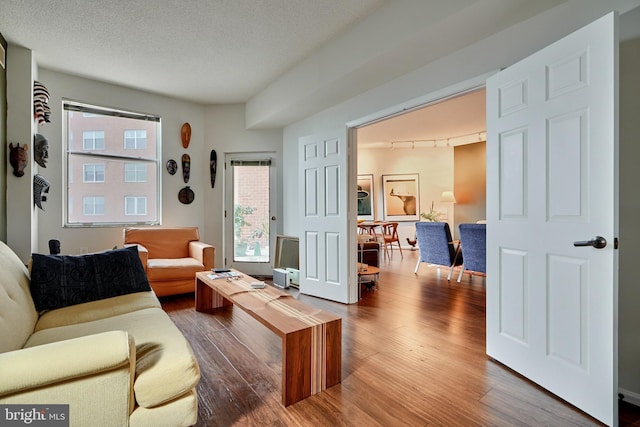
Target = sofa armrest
(33,368)
(143,253)
(203,252)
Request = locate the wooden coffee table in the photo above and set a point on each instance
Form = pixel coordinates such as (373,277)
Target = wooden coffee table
(311,338)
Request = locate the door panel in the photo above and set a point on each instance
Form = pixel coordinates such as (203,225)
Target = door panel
(324,252)
(551,181)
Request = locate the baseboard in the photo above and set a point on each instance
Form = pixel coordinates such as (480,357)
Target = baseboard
(630,397)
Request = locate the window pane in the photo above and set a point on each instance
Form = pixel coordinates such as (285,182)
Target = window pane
(93,172)
(251,213)
(102,155)
(135,172)
(93,205)
(135,139)
(93,140)
(135,205)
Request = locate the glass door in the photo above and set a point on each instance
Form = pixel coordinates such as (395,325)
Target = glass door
(249,206)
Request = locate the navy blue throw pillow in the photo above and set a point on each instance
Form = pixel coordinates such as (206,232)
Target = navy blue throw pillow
(59,281)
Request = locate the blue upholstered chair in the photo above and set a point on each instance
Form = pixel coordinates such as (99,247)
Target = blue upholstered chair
(473,240)
(436,245)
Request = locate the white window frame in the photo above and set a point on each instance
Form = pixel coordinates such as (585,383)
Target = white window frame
(139,141)
(138,169)
(90,135)
(93,204)
(137,200)
(114,156)
(95,166)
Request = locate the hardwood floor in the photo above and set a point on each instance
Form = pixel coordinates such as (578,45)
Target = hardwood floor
(413,355)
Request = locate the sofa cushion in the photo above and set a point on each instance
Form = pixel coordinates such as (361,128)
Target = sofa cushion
(96,310)
(165,365)
(18,315)
(162,269)
(61,281)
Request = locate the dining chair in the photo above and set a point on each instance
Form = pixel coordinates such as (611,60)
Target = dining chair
(436,246)
(390,235)
(473,240)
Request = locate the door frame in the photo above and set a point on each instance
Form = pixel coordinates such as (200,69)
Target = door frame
(441,95)
(274,225)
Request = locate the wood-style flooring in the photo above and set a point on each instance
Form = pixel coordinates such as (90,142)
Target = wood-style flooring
(413,355)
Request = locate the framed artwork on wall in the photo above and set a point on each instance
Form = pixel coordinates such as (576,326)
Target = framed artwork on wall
(401,197)
(365,197)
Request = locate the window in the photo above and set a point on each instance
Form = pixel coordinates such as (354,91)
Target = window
(135,139)
(93,172)
(121,151)
(93,140)
(135,205)
(135,172)
(93,205)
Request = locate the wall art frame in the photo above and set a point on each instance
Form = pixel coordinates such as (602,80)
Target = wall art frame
(401,197)
(365,197)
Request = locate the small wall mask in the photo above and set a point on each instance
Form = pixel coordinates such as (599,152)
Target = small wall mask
(18,158)
(41,147)
(40,190)
(185,134)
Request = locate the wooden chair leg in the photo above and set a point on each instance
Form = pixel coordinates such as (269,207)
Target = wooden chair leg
(400,247)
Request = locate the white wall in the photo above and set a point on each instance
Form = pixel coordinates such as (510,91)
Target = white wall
(629,294)
(21,224)
(226,133)
(439,78)
(213,127)
(4,162)
(443,77)
(173,113)
(434,166)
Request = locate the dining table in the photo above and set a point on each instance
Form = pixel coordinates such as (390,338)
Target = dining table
(374,228)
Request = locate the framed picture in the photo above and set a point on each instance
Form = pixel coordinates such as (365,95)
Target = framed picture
(401,197)
(365,197)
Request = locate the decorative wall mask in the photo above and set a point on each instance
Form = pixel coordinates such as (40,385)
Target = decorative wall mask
(185,133)
(186,195)
(41,150)
(186,167)
(40,190)
(172,167)
(18,158)
(213,164)
(41,103)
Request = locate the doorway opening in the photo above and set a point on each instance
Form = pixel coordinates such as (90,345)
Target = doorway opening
(443,143)
(250,201)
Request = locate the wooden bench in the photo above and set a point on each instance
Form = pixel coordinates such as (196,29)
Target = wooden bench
(311,338)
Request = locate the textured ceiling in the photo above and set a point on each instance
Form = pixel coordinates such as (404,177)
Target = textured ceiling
(209,51)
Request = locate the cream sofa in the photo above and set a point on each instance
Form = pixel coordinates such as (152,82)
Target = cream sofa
(115,361)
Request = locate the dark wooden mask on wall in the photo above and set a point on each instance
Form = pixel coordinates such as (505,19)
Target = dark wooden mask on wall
(18,158)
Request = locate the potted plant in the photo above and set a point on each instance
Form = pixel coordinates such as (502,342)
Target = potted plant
(240,214)
(432,215)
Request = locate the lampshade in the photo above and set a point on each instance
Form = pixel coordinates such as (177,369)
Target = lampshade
(447,197)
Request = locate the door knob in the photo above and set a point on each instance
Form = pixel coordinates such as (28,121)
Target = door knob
(273,218)
(598,242)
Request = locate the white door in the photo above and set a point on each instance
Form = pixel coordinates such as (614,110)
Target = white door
(324,240)
(552,181)
(250,222)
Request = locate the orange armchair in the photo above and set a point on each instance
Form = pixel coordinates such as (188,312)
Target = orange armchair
(171,256)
